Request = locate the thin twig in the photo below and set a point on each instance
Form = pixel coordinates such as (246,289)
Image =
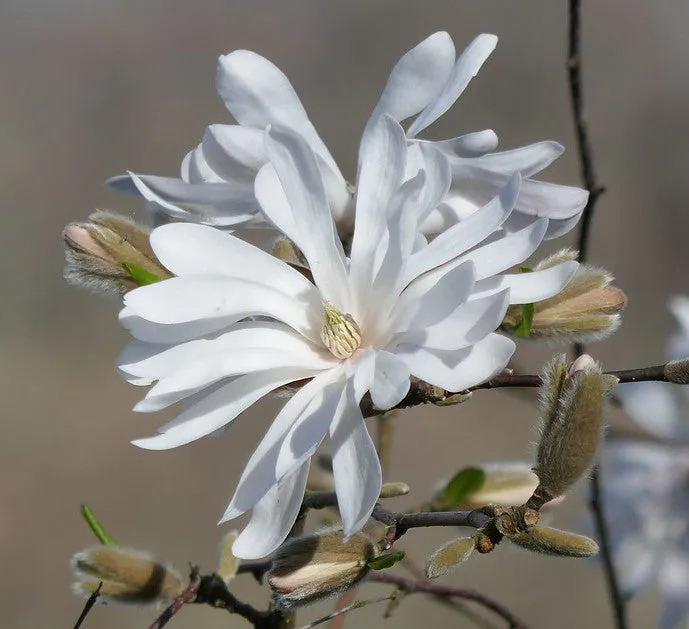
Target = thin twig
(213,591)
(349,608)
(185,597)
(588,175)
(429,587)
(88,606)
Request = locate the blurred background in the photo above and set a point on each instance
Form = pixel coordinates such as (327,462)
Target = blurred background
(90,89)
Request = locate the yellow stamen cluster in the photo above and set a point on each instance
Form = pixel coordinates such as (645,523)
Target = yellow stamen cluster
(340,333)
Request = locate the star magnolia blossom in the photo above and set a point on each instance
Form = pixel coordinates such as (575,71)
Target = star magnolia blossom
(217,184)
(396,307)
(646,492)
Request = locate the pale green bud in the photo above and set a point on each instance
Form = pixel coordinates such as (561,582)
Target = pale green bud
(393,490)
(340,333)
(127,576)
(449,556)
(228,564)
(308,568)
(550,541)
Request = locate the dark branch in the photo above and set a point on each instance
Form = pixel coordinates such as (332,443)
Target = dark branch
(429,587)
(588,175)
(88,606)
(213,591)
(185,597)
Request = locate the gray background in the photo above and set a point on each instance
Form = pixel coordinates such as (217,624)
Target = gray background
(92,88)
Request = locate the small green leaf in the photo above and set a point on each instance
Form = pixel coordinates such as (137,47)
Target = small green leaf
(385,561)
(463,483)
(523,330)
(140,275)
(525,269)
(96,526)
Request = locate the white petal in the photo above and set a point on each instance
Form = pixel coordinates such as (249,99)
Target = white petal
(183,299)
(356,468)
(673,577)
(507,251)
(527,160)
(258,94)
(219,408)
(468,324)
(260,472)
(417,77)
(187,249)
(527,288)
(467,67)
(464,235)
(297,169)
(272,518)
(236,153)
(390,381)
(461,369)
(469,145)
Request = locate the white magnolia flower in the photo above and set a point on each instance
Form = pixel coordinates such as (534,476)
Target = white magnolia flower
(647,494)
(364,324)
(217,179)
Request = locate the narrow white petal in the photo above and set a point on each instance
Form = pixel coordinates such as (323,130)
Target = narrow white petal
(258,94)
(272,518)
(460,369)
(187,249)
(184,299)
(468,324)
(390,381)
(219,408)
(236,153)
(526,160)
(469,145)
(466,68)
(417,77)
(527,288)
(297,169)
(464,235)
(356,469)
(260,472)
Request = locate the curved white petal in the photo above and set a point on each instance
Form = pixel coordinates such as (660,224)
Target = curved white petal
(390,380)
(466,68)
(527,288)
(468,324)
(464,235)
(469,145)
(219,408)
(187,249)
(258,94)
(461,369)
(273,517)
(297,169)
(185,299)
(526,160)
(260,472)
(417,77)
(236,153)
(356,468)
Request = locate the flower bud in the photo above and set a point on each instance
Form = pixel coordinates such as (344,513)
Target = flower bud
(571,421)
(308,568)
(449,556)
(677,371)
(228,563)
(549,541)
(393,490)
(101,254)
(586,309)
(128,576)
(507,484)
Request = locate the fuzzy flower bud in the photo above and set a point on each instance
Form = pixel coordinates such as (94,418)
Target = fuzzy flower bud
(550,541)
(340,333)
(309,568)
(110,254)
(449,556)
(587,309)
(677,371)
(228,564)
(127,576)
(571,421)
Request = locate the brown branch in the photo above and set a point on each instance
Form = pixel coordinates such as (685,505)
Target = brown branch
(349,608)
(588,175)
(213,591)
(185,597)
(411,586)
(88,606)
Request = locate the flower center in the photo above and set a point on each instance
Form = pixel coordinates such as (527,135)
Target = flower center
(340,333)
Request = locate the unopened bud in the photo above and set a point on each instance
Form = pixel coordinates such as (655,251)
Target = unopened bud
(677,371)
(109,254)
(312,567)
(587,309)
(549,541)
(571,424)
(127,576)
(228,564)
(507,484)
(449,556)
(393,490)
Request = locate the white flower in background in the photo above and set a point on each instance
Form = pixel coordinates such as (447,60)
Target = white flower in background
(217,179)
(647,487)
